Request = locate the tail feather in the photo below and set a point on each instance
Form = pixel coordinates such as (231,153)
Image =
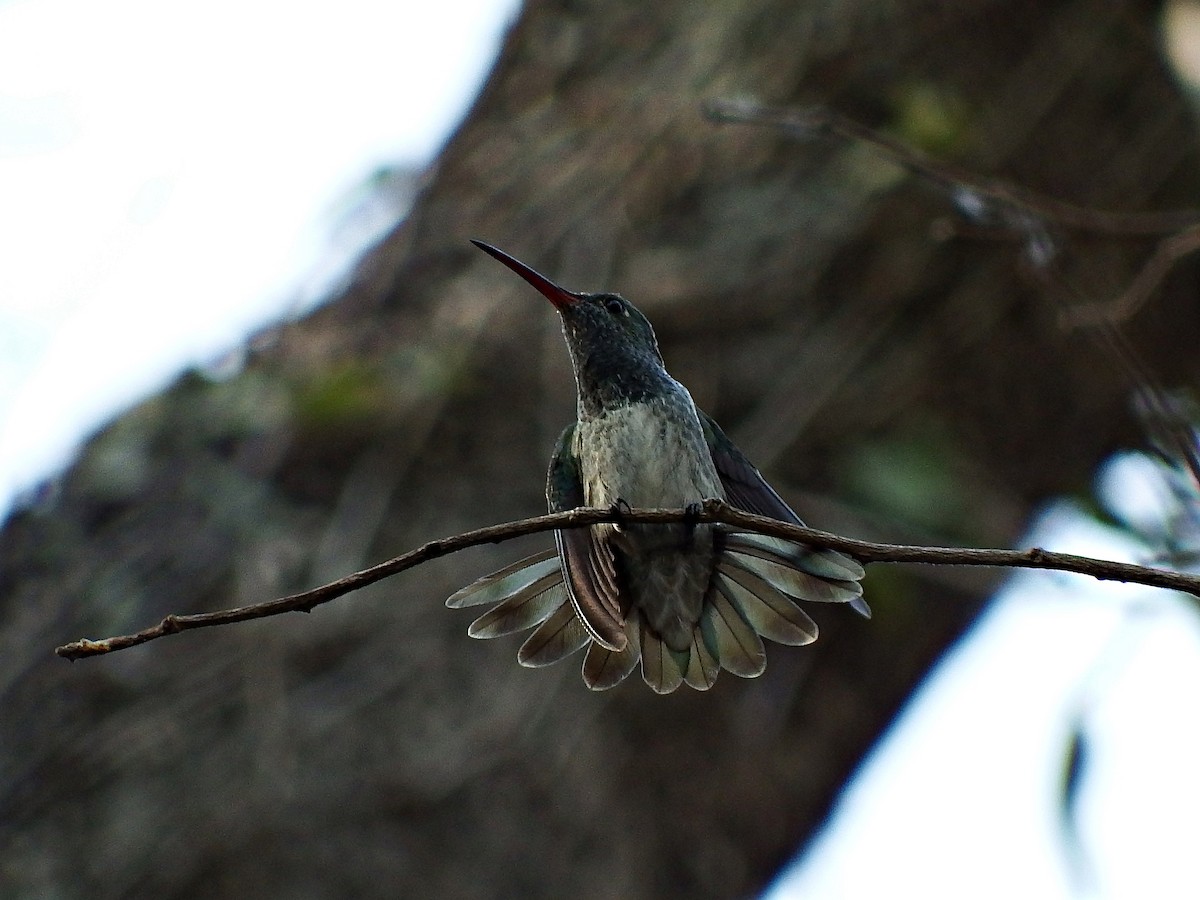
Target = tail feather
(822,563)
(739,648)
(796,584)
(829,567)
(559,636)
(604,668)
(506,582)
(703,666)
(529,606)
(660,665)
(768,611)
(859,605)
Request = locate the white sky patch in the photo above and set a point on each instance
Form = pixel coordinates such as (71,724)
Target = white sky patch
(168,174)
(962,797)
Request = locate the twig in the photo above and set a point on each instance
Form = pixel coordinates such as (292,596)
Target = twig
(980,199)
(1169,251)
(994,206)
(714,511)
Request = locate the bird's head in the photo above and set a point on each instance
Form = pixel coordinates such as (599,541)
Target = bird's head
(613,347)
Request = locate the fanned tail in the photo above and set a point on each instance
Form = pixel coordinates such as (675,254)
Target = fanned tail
(754,594)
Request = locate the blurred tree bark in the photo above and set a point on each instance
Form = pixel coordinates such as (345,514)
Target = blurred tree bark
(892,385)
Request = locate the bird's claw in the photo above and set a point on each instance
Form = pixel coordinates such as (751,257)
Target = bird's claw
(691,518)
(619,509)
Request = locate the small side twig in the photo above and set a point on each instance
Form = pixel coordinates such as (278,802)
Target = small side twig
(979,198)
(713,511)
(994,208)
(1169,251)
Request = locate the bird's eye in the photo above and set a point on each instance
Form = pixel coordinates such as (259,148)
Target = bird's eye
(615,306)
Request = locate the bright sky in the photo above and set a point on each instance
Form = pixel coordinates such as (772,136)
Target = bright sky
(171,174)
(963,798)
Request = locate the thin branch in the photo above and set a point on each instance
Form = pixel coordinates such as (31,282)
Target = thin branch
(993,206)
(714,511)
(978,198)
(1169,251)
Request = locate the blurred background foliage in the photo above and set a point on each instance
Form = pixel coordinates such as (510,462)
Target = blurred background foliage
(895,379)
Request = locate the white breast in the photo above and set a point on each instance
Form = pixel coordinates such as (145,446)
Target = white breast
(649,454)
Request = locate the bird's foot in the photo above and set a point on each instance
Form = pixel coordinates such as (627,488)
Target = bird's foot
(691,518)
(619,509)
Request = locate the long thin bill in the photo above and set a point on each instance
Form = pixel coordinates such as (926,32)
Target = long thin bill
(560,297)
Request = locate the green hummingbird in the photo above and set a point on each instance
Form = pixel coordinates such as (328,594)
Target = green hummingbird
(686,600)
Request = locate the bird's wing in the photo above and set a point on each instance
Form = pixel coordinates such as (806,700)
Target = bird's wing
(588,562)
(746,489)
(744,485)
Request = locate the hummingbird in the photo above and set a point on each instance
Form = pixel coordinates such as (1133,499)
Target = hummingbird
(685,600)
